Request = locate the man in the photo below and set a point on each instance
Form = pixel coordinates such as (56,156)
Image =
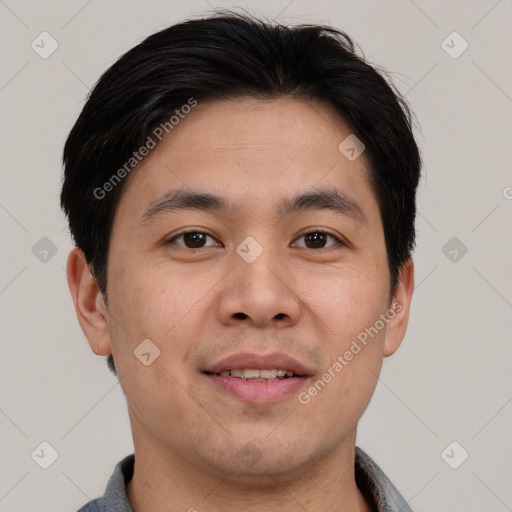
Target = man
(242,199)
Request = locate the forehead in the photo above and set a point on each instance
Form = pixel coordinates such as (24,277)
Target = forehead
(250,149)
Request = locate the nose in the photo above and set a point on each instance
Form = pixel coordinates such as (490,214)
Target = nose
(260,293)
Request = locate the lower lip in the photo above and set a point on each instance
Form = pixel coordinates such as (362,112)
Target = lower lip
(258,391)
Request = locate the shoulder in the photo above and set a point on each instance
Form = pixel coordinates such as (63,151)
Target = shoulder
(92,506)
(114,499)
(373,481)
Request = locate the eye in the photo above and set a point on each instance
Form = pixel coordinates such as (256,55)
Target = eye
(317,240)
(191,240)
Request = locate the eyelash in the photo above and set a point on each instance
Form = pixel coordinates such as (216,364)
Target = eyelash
(314,231)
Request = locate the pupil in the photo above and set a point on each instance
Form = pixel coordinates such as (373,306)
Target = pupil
(194,239)
(316,238)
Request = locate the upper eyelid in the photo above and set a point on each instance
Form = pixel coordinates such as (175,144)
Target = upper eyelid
(319,230)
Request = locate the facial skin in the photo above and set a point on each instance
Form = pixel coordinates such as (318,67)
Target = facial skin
(304,297)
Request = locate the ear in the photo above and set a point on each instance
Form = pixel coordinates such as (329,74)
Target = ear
(397,325)
(89,304)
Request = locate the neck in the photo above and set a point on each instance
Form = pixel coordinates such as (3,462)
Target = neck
(165,481)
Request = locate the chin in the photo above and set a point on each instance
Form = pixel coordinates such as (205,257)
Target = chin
(263,461)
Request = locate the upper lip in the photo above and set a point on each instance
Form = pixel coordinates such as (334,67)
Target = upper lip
(247,360)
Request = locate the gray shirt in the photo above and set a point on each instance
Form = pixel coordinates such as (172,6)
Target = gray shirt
(370,479)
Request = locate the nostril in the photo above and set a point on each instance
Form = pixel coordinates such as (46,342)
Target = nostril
(240,316)
(279,316)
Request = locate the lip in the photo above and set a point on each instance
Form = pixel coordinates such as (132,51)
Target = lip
(257,391)
(247,360)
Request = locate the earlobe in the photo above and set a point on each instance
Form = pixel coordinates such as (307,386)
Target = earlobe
(89,304)
(397,326)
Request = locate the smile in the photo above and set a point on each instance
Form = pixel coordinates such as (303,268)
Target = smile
(258,375)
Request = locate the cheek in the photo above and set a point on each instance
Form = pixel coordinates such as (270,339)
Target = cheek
(350,304)
(346,300)
(161,306)
(154,301)
(147,306)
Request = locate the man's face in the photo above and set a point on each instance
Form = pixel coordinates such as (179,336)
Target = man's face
(253,281)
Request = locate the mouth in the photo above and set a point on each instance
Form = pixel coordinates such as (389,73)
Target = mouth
(254,375)
(258,379)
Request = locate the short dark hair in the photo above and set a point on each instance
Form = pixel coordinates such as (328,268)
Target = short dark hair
(223,57)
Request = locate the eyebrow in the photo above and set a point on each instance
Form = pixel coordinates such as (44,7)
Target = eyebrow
(326,199)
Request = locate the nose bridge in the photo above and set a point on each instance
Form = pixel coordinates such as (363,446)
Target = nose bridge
(259,264)
(261,288)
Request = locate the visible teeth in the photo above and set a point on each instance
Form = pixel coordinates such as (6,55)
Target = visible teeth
(258,375)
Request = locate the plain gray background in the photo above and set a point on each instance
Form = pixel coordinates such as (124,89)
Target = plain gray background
(450,380)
